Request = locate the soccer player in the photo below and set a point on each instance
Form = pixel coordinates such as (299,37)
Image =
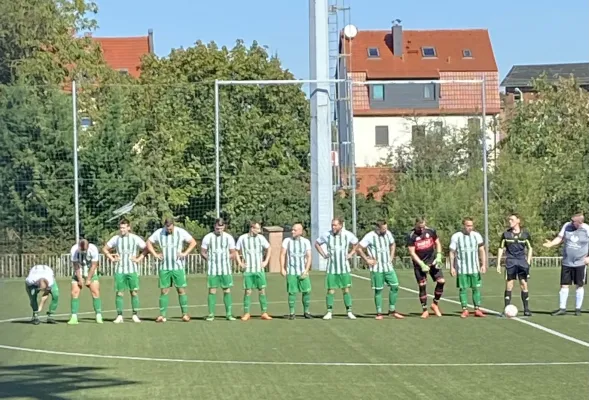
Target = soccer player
(295,263)
(126,275)
(425,250)
(515,241)
(575,237)
(380,245)
(84,256)
(171,241)
(338,242)
(218,249)
(253,256)
(42,280)
(467,262)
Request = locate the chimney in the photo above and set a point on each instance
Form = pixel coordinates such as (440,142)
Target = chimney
(150,40)
(397,32)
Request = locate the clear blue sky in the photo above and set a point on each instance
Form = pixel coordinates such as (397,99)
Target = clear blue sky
(522,31)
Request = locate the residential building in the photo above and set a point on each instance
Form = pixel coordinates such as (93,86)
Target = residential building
(124,53)
(405,81)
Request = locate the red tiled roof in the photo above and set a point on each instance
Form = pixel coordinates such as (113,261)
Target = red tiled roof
(124,52)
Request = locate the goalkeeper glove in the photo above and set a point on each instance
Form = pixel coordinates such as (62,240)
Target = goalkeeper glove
(424,266)
(439,260)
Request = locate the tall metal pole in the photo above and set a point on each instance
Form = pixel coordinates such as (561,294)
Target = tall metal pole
(76,172)
(352,156)
(485,167)
(217,154)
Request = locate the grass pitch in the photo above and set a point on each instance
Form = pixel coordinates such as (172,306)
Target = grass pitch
(439,358)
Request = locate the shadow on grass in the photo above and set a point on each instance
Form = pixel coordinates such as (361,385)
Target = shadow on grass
(52,382)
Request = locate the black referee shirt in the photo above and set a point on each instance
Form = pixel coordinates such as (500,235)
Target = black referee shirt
(515,245)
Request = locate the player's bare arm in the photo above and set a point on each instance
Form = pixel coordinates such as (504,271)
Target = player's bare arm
(239,259)
(307,264)
(91,272)
(414,255)
(204,253)
(107,252)
(452,262)
(267,257)
(483,258)
(141,256)
(44,286)
(320,250)
(283,262)
(499,257)
(353,251)
(392,249)
(78,274)
(530,252)
(152,251)
(191,246)
(368,260)
(554,242)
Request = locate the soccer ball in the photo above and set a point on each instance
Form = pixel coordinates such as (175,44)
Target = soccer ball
(510,311)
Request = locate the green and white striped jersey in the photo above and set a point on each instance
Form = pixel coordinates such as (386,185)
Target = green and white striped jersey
(252,249)
(171,245)
(467,251)
(297,251)
(219,253)
(338,247)
(127,247)
(84,258)
(379,248)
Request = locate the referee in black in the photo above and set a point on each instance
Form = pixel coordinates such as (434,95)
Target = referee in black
(515,241)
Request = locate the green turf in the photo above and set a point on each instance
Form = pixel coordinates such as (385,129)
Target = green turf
(448,340)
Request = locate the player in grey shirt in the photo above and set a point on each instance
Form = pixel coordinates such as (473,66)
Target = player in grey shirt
(575,256)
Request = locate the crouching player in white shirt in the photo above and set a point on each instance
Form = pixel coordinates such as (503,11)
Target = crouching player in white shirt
(41,279)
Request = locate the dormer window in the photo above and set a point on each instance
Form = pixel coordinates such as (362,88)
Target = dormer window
(466,53)
(373,52)
(428,52)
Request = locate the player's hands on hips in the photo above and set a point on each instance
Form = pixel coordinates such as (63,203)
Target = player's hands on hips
(349,256)
(371,262)
(181,256)
(136,259)
(114,258)
(453,271)
(159,256)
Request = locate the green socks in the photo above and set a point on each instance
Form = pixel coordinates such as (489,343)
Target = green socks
(228,301)
(291,303)
(119,304)
(263,303)
(135,303)
(212,303)
(75,305)
(378,301)
(163,304)
(348,301)
(97,304)
(53,304)
(306,302)
(183,300)
(393,294)
(463,296)
(476,297)
(247,302)
(329,301)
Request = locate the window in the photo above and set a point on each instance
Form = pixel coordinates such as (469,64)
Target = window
(378,92)
(373,52)
(474,124)
(466,53)
(85,123)
(417,132)
(438,126)
(428,52)
(124,71)
(381,136)
(429,91)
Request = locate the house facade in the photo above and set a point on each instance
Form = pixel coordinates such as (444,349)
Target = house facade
(406,83)
(124,53)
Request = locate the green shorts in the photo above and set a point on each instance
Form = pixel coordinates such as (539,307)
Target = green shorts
(223,281)
(380,279)
(294,284)
(33,291)
(169,278)
(124,282)
(468,281)
(254,280)
(338,281)
(94,278)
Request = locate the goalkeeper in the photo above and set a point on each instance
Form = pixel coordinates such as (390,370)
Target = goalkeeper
(426,253)
(42,280)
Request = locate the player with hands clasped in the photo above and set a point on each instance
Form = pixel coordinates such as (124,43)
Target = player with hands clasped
(253,255)
(84,257)
(425,250)
(467,263)
(380,245)
(41,279)
(341,246)
(295,264)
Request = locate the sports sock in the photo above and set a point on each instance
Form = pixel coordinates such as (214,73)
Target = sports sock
(348,301)
(563,296)
(97,304)
(183,301)
(579,297)
(228,301)
(53,304)
(291,303)
(393,294)
(247,301)
(119,304)
(423,296)
(476,297)
(306,302)
(34,303)
(329,301)
(507,297)
(525,296)
(135,303)
(212,303)
(163,304)
(263,302)
(463,296)
(75,305)
(438,291)
(378,300)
